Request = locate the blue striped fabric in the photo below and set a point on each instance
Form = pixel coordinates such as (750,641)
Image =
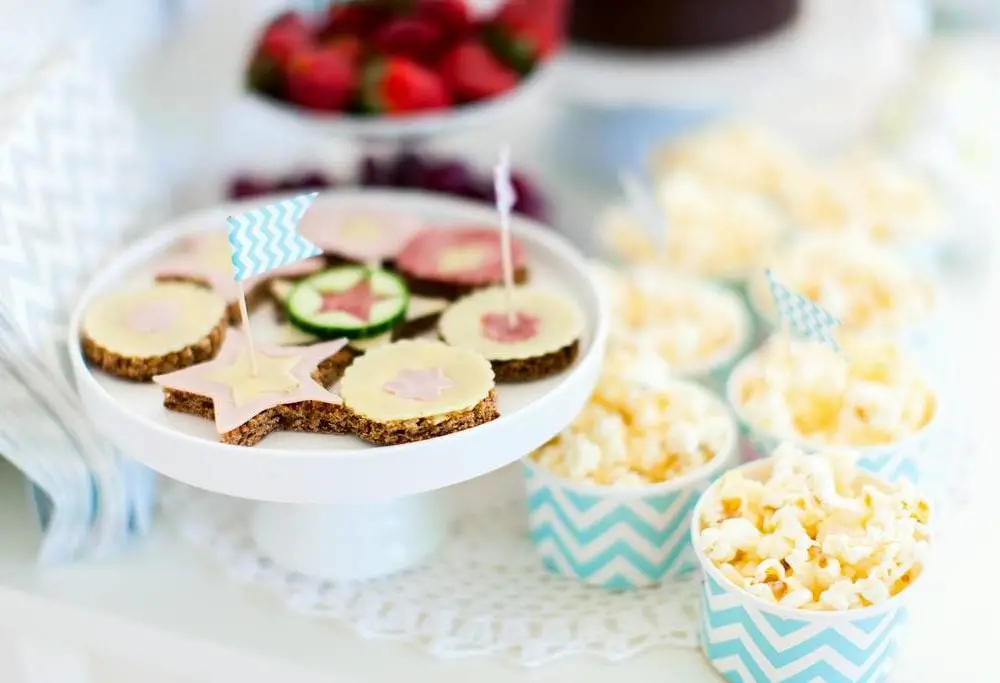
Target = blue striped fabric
(267,237)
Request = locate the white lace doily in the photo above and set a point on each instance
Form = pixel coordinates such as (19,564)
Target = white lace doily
(483,592)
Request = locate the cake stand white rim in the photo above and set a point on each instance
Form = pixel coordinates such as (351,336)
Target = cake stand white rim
(345,476)
(758,70)
(410,127)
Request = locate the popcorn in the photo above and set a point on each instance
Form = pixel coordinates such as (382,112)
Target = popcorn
(871,395)
(711,231)
(690,325)
(864,286)
(735,155)
(636,432)
(865,194)
(814,532)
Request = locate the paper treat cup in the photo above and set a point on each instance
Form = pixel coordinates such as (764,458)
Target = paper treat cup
(748,640)
(617,538)
(902,459)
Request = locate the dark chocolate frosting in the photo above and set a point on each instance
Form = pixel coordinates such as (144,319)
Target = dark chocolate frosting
(662,25)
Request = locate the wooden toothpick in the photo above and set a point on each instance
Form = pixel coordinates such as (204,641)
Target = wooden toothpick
(505,198)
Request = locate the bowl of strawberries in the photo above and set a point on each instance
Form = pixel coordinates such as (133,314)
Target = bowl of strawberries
(403,68)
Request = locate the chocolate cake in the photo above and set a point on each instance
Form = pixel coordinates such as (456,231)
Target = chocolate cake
(663,25)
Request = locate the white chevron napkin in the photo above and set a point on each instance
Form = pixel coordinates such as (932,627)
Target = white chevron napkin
(73,182)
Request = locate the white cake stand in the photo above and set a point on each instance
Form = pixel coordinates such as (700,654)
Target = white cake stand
(863,43)
(411,128)
(334,507)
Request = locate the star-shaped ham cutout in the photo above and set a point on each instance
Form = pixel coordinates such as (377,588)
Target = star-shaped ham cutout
(356,301)
(499,327)
(361,235)
(286,376)
(419,385)
(207,259)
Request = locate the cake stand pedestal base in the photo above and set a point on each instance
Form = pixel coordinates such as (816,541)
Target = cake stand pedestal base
(345,542)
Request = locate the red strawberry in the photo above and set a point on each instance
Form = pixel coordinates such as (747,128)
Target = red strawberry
(357,19)
(474,73)
(285,36)
(415,38)
(451,16)
(350,47)
(321,78)
(397,85)
(525,32)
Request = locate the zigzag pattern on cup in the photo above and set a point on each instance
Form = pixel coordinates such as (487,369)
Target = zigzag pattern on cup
(746,644)
(612,542)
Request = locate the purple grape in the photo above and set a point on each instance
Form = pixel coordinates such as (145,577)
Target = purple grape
(530,201)
(449,177)
(307,180)
(408,171)
(375,172)
(243,186)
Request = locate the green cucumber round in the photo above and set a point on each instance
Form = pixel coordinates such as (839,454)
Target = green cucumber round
(304,304)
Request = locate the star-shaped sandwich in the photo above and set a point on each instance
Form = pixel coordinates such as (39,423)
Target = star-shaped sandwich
(287,390)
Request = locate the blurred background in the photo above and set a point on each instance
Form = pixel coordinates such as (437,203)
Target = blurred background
(916,77)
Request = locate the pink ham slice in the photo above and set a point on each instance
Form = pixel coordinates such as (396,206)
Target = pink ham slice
(423,255)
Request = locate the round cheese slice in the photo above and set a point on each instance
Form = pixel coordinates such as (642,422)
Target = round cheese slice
(416,378)
(543,322)
(165,318)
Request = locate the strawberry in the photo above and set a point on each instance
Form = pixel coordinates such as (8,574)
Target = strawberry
(451,16)
(321,78)
(396,85)
(358,19)
(350,47)
(525,32)
(283,37)
(472,72)
(415,38)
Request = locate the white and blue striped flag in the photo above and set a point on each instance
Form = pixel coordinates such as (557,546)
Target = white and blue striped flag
(801,316)
(268,238)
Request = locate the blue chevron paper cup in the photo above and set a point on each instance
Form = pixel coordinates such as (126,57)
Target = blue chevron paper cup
(617,538)
(748,640)
(903,459)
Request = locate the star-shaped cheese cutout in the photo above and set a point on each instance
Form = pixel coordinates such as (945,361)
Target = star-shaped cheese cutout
(284,376)
(356,301)
(207,258)
(426,384)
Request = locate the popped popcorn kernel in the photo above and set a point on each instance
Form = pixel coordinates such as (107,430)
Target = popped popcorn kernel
(639,428)
(864,286)
(689,325)
(814,532)
(870,395)
(711,230)
(866,194)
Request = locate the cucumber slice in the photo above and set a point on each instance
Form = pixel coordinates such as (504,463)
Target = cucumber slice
(352,302)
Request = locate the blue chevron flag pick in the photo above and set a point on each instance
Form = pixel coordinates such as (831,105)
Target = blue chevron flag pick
(267,237)
(801,316)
